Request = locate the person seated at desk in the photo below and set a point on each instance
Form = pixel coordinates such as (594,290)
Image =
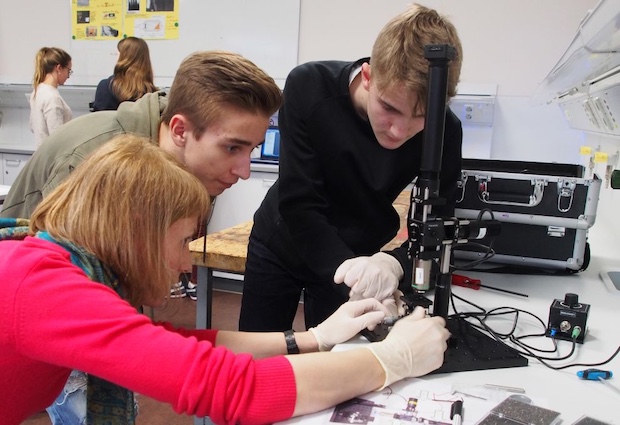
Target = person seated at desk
(132,77)
(113,237)
(351,141)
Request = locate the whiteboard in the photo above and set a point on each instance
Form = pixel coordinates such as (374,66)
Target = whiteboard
(264,31)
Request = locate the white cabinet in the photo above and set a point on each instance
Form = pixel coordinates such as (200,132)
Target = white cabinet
(239,203)
(12,164)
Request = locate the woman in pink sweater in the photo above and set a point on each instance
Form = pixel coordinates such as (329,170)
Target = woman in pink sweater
(113,237)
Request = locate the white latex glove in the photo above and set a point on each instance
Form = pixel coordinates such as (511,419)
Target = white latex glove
(414,347)
(395,304)
(346,322)
(370,277)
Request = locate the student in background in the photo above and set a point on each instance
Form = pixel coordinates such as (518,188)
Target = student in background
(216,113)
(351,142)
(132,78)
(73,285)
(48,110)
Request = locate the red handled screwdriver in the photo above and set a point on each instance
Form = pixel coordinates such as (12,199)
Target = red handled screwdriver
(467,282)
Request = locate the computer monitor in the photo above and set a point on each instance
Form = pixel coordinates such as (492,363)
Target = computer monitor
(270,149)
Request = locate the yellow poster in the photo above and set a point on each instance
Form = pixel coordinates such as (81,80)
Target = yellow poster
(116,19)
(152,19)
(97,19)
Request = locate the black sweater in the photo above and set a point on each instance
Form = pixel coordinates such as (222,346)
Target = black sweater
(104,98)
(333,198)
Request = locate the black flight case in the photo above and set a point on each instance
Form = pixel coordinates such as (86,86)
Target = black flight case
(545,210)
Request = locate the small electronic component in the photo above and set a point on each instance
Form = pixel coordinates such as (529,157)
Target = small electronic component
(568,319)
(391,320)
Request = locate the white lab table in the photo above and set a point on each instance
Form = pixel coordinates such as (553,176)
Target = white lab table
(559,390)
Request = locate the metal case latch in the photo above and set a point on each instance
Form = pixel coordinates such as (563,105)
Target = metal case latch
(566,191)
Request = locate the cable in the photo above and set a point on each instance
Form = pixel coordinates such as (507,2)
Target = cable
(517,344)
(470,266)
(488,250)
(482,315)
(589,364)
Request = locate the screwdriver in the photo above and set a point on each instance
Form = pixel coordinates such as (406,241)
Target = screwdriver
(467,282)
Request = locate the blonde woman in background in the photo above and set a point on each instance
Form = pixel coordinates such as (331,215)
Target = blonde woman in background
(132,78)
(48,110)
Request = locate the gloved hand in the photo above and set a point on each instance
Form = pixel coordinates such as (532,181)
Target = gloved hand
(370,277)
(346,322)
(394,304)
(414,347)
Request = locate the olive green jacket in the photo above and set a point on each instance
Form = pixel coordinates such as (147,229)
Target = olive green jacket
(67,147)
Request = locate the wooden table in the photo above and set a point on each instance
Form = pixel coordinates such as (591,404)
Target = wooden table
(227,251)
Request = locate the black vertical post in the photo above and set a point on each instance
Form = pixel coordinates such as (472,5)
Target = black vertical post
(438,57)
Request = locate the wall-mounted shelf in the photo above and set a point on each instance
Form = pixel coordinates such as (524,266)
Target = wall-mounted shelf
(474,104)
(17,95)
(585,82)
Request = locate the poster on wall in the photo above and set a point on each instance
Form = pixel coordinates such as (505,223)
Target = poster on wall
(154,19)
(116,19)
(96,19)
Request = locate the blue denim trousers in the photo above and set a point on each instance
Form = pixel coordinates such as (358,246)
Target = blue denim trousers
(70,406)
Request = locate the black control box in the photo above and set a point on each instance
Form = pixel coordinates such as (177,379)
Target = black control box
(568,317)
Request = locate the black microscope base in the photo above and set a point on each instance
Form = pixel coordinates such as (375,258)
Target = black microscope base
(470,349)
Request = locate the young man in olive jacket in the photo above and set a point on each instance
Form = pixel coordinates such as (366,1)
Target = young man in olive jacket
(210,120)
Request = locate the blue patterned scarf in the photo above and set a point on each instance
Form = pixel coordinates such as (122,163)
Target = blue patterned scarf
(107,403)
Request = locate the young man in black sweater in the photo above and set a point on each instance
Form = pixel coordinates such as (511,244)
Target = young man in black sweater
(351,141)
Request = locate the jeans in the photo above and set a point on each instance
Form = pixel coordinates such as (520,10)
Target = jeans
(70,406)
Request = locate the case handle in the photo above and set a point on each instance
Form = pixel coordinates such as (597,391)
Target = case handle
(498,198)
(566,191)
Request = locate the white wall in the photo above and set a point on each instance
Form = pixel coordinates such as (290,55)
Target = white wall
(513,43)
(264,31)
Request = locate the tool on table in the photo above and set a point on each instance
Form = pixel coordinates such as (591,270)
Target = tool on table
(456,412)
(505,388)
(467,282)
(594,374)
(609,385)
(599,375)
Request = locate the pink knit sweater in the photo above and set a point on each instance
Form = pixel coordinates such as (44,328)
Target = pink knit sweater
(54,319)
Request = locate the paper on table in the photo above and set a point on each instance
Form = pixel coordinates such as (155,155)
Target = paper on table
(402,403)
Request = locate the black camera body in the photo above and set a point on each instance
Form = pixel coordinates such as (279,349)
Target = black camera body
(568,317)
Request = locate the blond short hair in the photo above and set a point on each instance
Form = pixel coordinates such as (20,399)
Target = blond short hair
(398,52)
(206,81)
(118,205)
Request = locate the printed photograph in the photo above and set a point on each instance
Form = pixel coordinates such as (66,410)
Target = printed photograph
(91,32)
(159,5)
(83,16)
(108,31)
(133,5)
